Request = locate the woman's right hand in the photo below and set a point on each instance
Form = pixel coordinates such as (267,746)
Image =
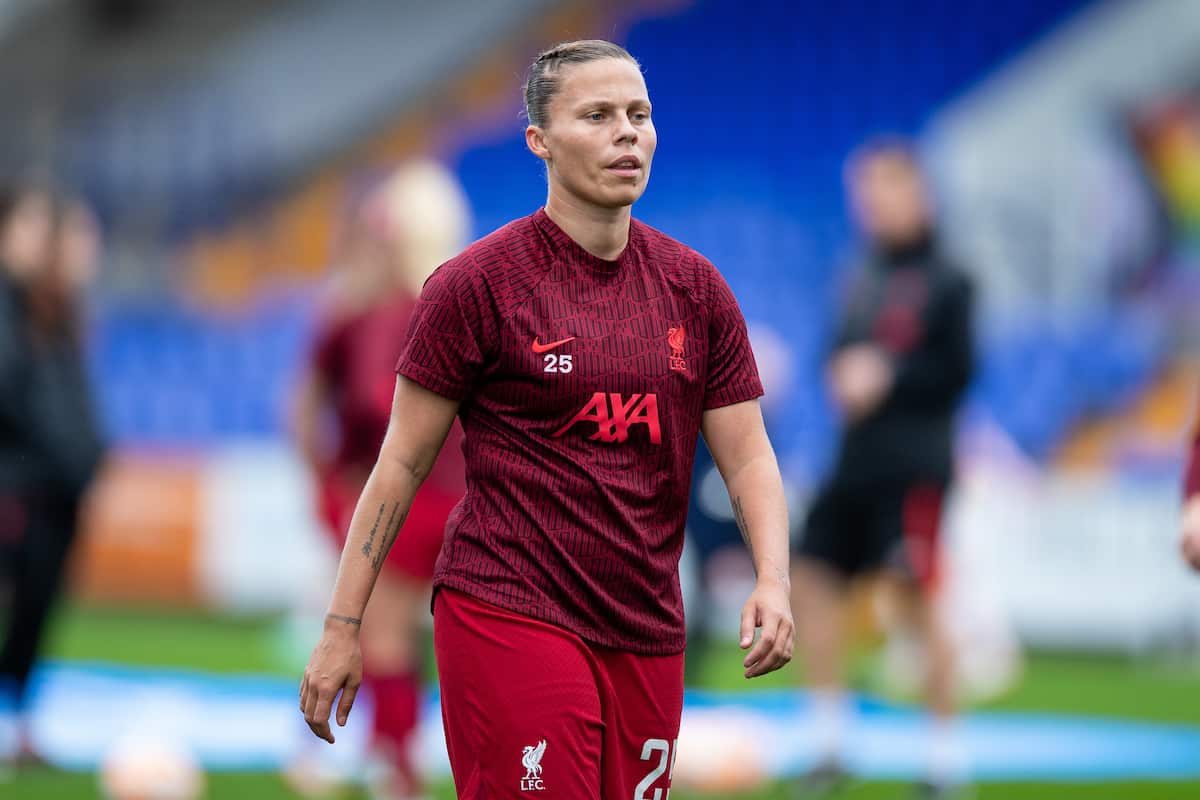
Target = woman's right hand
(335,666)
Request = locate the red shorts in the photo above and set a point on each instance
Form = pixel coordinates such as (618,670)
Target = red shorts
(416,550)
(532,711)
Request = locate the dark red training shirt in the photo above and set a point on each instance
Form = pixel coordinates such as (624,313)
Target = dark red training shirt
(582,384)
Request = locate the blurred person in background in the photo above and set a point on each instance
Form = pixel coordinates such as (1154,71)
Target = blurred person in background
(50,441)
(401,231)
(1189,542)
(901,362)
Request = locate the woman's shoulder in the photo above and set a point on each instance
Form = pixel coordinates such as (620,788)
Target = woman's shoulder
(497,251)
(504,265)
(681,263)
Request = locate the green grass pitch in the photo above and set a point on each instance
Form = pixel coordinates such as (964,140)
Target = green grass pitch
(1158,691)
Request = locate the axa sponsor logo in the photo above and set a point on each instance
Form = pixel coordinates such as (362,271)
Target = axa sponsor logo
(615,414)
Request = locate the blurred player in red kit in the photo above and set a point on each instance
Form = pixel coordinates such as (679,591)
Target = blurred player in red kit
(403,229)
(1190,540)
(584,353)
(899,368)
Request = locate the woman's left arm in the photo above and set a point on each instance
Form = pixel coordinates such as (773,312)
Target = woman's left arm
(738,441)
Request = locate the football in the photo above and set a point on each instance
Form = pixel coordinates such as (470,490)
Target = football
(144,768)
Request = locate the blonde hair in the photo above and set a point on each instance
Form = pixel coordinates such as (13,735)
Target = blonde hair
(425,212)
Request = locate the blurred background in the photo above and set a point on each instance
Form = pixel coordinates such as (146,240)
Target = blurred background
(219,146)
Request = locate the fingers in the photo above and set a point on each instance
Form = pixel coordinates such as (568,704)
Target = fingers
(757,659)
(319,720)
(749,621)
(316,701)
(774,646)
(335,666)
(347,702)
(769,654)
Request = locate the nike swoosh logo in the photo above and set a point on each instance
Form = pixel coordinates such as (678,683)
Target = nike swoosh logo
(542,348)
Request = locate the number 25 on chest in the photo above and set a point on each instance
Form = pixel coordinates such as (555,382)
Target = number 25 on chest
(553,362)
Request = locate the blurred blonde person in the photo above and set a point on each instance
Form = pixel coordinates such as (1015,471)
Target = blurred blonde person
(404,229)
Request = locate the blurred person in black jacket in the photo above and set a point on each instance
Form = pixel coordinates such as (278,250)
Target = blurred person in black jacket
(899,367)
(50,445)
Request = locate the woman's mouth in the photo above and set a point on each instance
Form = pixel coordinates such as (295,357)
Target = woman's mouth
(626,167)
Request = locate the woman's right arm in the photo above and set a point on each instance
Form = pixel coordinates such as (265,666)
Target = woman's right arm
(420,420)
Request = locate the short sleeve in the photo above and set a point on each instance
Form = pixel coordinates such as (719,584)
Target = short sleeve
(732,373)
(445,347)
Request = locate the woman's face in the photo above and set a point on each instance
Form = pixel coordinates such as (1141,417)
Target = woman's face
(599,139)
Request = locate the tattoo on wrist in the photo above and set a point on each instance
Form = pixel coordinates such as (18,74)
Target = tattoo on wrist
(344,618)
(739,516)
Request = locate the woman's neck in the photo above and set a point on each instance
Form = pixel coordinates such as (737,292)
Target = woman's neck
(603,232)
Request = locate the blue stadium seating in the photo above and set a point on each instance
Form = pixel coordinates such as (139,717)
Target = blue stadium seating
(757,104)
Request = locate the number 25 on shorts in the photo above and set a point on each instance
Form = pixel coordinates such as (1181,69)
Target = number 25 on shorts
(664,752)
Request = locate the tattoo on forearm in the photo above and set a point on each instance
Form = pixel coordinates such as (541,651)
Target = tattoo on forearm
(343,618)
(390,532)
(370,542)
(739,515)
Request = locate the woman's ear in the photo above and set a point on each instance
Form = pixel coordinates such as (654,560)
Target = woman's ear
(535,140)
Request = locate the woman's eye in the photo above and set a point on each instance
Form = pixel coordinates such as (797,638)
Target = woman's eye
(595,116)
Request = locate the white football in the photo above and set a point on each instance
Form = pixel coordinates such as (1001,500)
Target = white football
(145,768)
